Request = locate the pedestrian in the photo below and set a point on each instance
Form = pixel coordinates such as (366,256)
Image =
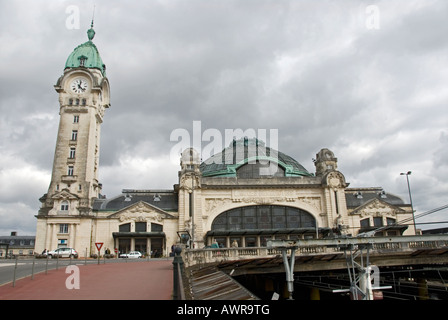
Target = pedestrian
(215,244)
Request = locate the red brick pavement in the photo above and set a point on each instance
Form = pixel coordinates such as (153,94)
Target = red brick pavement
(145,280)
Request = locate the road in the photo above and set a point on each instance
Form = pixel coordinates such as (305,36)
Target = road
(26,267)
(117,279)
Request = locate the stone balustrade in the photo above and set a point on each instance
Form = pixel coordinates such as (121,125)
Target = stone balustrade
(312,247)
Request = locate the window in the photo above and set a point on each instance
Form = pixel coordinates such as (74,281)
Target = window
(70,101)
(390,221)
(156,227)
(74,135)
(260,170)
(124,227)
(77,102)
(82,61)
(378,221)
(72,153)
(63,228)
(84,102)
(263,217)
(140,227)
(70,171)
(64,206)
(365,223)
(75,118)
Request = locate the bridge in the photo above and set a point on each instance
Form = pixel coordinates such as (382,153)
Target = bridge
(357,257)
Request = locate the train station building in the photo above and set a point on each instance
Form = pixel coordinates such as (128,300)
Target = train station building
(242,196)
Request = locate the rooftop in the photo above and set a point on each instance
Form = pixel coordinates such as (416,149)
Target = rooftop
(251,151)
(162,199)
(86,55)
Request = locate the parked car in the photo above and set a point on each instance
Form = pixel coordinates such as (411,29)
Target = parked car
(131,255)
(62,253)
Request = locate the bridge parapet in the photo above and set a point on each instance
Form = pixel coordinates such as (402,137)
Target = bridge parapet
(379,245)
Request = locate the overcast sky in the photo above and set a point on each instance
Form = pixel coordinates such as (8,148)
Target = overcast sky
(366,79)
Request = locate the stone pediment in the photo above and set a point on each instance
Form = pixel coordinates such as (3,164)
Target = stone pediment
(64,195)
(140,212)
(377,207)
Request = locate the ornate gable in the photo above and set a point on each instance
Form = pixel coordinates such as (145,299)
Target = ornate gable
(140,212)
(64,195)
(377,208)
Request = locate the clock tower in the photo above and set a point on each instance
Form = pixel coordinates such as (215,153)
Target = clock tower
(83,92)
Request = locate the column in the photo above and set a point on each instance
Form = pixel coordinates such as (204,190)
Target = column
(148,246)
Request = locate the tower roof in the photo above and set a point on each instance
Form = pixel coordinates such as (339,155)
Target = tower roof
(86,55)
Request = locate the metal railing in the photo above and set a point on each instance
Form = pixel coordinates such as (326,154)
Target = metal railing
(178,276)
(316,246)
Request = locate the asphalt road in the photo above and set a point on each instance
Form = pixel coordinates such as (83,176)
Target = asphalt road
(21,268)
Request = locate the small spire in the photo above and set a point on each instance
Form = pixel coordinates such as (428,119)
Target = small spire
(91,32)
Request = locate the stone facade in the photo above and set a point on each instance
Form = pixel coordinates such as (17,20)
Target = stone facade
(244,202)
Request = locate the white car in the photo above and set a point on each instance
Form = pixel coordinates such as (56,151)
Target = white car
(62,253)
(131,255)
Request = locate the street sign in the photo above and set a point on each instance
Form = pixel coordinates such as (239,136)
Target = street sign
(99,245)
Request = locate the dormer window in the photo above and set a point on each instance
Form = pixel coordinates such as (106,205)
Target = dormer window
(82,61)
(64,206)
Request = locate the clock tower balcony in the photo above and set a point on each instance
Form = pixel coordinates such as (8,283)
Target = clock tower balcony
(69,179)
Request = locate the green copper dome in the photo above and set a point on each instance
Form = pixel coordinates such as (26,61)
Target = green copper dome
(250,151)
(86,55)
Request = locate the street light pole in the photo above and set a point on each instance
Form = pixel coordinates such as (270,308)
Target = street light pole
(407,174)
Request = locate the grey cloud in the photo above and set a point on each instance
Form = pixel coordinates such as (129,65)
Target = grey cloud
(309,69)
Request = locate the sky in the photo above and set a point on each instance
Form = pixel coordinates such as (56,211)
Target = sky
(365,79)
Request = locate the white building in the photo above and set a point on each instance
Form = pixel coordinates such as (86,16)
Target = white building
(245,194)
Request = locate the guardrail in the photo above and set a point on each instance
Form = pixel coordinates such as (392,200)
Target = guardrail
(192,257)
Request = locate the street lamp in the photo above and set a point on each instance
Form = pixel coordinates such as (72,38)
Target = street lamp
(407,174)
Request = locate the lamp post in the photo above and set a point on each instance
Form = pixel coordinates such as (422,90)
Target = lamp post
(407,174)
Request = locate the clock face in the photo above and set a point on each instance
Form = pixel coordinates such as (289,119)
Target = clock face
(79,85)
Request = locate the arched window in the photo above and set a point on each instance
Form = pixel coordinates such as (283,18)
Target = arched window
(263,218)
(124,227)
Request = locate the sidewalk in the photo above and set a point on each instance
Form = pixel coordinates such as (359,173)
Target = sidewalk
(142,280)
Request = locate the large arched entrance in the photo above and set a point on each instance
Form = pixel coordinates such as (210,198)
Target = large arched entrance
(253,226)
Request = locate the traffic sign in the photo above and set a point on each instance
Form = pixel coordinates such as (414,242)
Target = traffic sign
(99,245)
